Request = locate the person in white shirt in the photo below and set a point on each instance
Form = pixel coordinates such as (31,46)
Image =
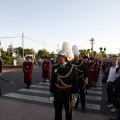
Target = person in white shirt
(110,83)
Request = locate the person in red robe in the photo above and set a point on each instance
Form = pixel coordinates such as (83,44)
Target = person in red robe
(46,69)
(85,58)
(27,70)
(91,72)
(96,72)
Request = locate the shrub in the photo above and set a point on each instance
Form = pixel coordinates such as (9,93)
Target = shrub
(7,60)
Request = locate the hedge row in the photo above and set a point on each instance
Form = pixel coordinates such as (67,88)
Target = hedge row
(7,60)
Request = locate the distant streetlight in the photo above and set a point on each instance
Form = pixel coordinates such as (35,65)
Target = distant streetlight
(92,42)
(57,49)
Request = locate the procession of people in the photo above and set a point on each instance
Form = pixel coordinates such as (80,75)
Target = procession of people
(71,74)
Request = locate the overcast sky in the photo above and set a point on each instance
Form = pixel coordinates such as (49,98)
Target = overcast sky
(55,21)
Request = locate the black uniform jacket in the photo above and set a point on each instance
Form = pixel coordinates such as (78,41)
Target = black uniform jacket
(80,67)
(63,76)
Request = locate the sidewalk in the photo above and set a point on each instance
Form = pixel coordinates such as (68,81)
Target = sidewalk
(14,110)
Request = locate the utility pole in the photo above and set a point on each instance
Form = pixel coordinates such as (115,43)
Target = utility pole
(23,45)
(92,42)
(57,49)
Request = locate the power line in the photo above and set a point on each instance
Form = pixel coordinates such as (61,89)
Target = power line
(10,37)
(39,42)
(33,40)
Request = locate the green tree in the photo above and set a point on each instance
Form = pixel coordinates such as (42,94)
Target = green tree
(52,55)
(104,49)
(10,50)
(29,51)
(101,49)
(20,51)
(88,50)
(94,53)
(43,52)
(3,53)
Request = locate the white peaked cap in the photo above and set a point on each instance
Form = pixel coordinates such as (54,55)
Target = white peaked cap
(66,47)
(75,50)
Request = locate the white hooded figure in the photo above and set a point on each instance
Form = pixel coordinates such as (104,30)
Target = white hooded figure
(77,53)
(75,50)
(66,47)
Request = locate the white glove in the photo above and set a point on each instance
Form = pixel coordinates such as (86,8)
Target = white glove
(86,80)
(51,99)
(75,100)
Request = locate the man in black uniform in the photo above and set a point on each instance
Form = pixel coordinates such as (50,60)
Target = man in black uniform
(63,87)
(82,77)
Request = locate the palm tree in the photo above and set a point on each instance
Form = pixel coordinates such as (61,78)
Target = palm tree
(88,52)
(104,49)
(94,53)
(101,49)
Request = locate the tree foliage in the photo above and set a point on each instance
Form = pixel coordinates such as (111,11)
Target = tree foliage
(103,51)
(52,55)
(43,52)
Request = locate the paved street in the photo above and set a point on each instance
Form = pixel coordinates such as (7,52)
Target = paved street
(38,95)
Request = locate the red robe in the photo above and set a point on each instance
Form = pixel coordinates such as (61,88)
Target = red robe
(96,70)
(46,69)
(27,69)
(91,74)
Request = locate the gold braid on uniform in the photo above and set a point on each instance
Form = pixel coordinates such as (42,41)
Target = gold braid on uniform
(80,64)
(78,69)
(67,75)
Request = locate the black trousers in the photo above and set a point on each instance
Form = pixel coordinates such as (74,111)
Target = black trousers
(62,99)
(81,98)
(109,96)
(110,89)
(113,95)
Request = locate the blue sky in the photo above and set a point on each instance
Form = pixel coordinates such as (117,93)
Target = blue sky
(55,21)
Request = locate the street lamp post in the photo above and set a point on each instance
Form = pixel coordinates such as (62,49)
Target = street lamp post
(92,42)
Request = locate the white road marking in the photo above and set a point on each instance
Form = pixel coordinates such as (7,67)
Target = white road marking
(47,92)
(39,86)
(93,98)
(99,82)
(46,100)
(96,88)
(93,106)
(94,92)
(98,85)
(44,83)
(28,97)
(34,91)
